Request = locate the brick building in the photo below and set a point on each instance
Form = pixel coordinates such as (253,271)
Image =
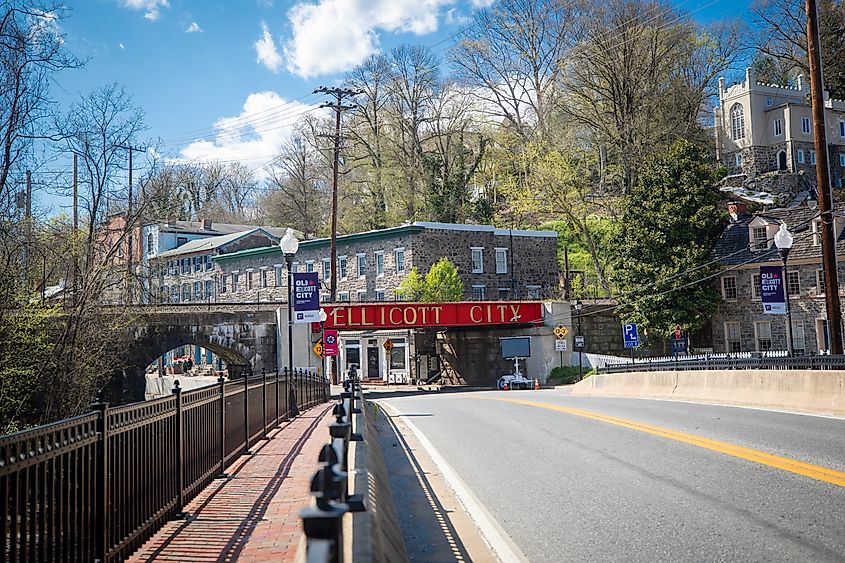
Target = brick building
(745,245)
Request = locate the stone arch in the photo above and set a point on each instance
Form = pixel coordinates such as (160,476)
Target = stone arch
(153,344)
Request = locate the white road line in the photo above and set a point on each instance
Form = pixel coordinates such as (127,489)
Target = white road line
(493,534)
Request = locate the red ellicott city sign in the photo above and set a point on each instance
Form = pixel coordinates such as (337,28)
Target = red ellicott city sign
(372,316)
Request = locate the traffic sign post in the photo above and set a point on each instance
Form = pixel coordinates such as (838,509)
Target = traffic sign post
(560,346)
(631,336)
(560,331)
(579,341)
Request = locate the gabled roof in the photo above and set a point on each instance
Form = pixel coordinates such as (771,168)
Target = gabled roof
(217,229)
(211,244)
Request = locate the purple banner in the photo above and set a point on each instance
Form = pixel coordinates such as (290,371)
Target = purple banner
(772,291)
(306,297)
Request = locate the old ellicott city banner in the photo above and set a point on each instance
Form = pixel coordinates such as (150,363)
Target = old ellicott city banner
(772,291)
(372,316)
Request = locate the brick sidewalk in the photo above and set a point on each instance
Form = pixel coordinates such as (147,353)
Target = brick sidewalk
(254,515)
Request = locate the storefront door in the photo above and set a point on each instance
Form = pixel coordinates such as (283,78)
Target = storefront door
(373,363)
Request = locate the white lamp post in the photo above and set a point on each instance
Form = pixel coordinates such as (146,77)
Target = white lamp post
(289,245)
(783,242)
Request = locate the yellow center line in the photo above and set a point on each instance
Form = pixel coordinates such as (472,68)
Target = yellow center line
(816,472)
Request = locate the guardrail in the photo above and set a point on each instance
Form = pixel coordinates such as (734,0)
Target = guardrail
(96,486)
(727,362)
(323,521)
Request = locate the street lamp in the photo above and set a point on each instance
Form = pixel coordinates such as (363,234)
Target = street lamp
(289,245)
(783,242)
(323,317)
(578,306)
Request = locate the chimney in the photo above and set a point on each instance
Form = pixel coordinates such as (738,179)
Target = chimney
(206,224)
(736,209)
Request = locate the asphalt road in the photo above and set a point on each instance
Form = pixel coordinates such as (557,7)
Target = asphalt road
(601,479)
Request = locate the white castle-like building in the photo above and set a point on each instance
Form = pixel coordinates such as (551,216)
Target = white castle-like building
(763,128)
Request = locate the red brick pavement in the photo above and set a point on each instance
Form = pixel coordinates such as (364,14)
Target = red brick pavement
(254,515)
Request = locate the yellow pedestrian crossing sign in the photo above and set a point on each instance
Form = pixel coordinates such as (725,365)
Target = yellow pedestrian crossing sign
(318,348)
(388,345)
(561,331)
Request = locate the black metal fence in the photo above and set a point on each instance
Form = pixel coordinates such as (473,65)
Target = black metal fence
(323,522)
(96,486)
(727,362)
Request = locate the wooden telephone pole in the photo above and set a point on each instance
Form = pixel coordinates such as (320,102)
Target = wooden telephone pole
(338,107)
(129,228)
(831,278)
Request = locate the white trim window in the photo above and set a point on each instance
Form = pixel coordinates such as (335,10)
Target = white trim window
(799,340)
(504,293)
(806,126)
(198,263)
(812,157)
(820,282)
(800,156)
(533,292)
(770,101)
(477,258)
(327,268)
(309,265)
(343,296)
(236,281)
(279,272)
(501,260)
(186,293)
(729,288)
(380,264)
(778,127)
(361,265)
(294,267)
(208,263)
(738,159)
(221,283)
(755,287)
(842,128)
(249,279)
(842,159)
(733,337)
(399,258)
(209,290)
(479,292)
(341,268)
(361,295)
(817,232)
(263,277)
(759,238)
(763,335)
(380,295)
(737,122)
(793,283)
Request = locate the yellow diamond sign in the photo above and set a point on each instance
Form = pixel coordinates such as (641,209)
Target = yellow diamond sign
(388,345)
(318,349)
(561,331)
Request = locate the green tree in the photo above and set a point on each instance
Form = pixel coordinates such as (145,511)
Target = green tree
(671,222)
(442,283)
(412,287)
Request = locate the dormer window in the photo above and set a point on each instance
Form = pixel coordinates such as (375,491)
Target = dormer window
(737,122)
(817,232)
(759,238)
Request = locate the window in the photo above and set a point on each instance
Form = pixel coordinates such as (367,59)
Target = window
(738,159)
(755,286)
(181,240)
(504,293)
(186,293)
(379,264)
(327,268)
(198,263)
(362,295)
(805,125)
(820,282)
(763,335)
(737,122)
(478,293)
(770,101)
(236,282)
(759,238)
(477,260)
(277,270)
(800,156)
(842,159)
(733,338)
(208,262)
(222,283)
(248,276)
(533,292)
(812,157)
(341,267)
(150,243)
(186,265)
(343,296)
(399,255)
(501,260)
(397,354)
(379,295)
(294,267)
(799,343)
(309,266)
(729,288)
(842,127)
(361,265)
(778,127)
(209,289)
(817,233)
(174,294)
(263,277)
(793,283)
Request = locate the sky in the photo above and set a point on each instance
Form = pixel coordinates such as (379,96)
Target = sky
(204,70)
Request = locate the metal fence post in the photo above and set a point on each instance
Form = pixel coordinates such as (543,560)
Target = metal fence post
(246,413)
(277,398)
(180,452)
(101,509)
(263,403)
(222,421)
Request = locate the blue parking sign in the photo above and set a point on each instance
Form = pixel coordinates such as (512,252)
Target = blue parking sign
(630,334)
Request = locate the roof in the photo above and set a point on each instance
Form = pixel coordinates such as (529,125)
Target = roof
(391,232)
(197,228)
(211,243)
(733,247)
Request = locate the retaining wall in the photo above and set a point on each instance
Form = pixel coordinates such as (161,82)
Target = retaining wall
(816,391)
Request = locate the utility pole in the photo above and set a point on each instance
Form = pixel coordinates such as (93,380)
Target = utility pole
(75,233)
(338,107)
(831,278)
(28,217)
(127,227)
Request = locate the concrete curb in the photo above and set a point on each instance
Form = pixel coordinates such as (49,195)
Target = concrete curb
(809,391)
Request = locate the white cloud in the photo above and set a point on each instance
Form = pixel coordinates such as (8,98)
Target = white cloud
(265,48)
(254,136)
(152,8)
(194,28)
(122,46)
(335,35)
(481,3)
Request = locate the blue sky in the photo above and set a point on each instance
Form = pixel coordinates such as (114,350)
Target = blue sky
(197,67)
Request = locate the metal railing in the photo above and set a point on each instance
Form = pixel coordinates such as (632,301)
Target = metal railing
(95,487)
(323,521)
(727,362)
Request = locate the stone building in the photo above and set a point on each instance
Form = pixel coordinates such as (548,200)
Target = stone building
(745,245)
